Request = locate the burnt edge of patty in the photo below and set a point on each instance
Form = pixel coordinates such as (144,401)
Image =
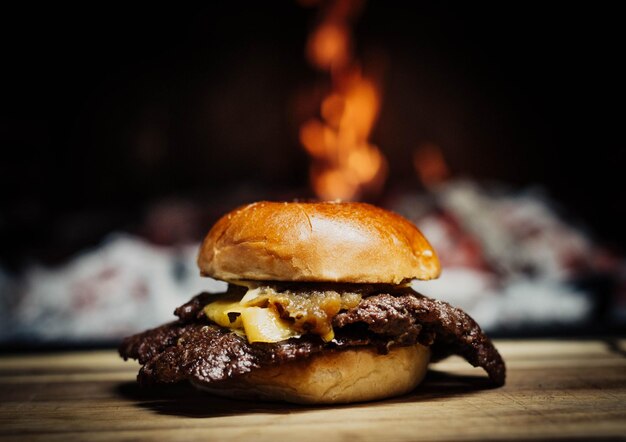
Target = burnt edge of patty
(192,348)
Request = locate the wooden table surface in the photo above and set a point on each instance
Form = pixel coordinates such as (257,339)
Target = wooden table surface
(555,389)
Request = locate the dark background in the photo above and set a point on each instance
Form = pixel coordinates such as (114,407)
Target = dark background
(107,110)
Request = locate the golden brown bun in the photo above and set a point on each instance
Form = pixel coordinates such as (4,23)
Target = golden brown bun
(332,378)
(339,242)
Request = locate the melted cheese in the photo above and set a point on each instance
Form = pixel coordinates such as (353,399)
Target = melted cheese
(264,325)
(225,312)
(265,315)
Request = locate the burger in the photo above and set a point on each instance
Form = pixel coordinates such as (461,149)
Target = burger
(318,309)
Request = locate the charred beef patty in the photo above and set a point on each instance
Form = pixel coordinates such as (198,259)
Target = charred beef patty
(193,348)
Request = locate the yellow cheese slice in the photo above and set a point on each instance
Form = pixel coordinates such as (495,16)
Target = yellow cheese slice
(225,312)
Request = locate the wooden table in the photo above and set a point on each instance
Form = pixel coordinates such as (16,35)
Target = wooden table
(555,389)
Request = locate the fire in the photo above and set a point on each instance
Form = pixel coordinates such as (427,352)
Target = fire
(430,165)
(328,46)
(345,164)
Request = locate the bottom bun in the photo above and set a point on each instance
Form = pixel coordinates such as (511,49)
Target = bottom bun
(332,378)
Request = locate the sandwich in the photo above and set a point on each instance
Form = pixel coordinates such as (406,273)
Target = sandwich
(319,309)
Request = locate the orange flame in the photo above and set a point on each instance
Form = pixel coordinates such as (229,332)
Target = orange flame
(328,46)
(345,164)
(430,165)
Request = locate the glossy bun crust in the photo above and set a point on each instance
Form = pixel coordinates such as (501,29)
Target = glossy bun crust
(327,241)
(332,378)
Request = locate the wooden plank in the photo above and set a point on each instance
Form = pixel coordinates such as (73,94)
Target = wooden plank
(555,389)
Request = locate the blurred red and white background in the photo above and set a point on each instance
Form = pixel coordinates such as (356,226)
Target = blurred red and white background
(126,133)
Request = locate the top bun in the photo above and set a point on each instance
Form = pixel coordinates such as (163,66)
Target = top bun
(326,241)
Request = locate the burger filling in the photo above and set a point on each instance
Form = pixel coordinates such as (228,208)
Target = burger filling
(220,337)
(275,312)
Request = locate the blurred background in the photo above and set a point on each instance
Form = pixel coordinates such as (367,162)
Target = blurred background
(127,131)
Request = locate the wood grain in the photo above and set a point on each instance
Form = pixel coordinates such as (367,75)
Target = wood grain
(555,389)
